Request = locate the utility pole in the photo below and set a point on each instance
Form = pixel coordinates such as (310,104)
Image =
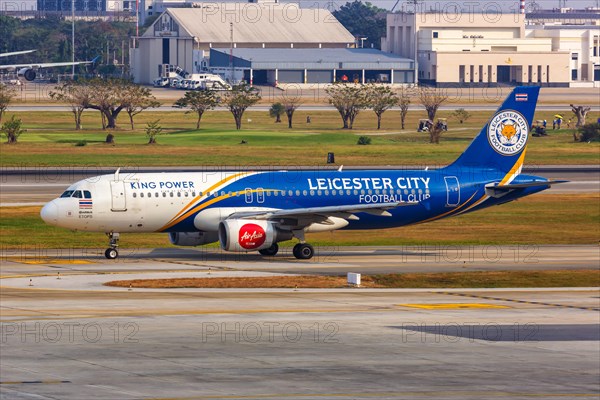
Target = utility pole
(73,39)
(231,51)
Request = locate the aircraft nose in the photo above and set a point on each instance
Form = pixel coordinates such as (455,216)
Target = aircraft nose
(49,213)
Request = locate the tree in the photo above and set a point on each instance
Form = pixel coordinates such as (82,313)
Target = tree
(198,101)
(461,115)
(7,93)
(589,133)
(580,112)
(238,99)
(275,111)
(404,103)
(109,96)
(348,99)
(363,20)
(290,105)
(137,99)
(12,130)
(76,94)
(432,99)
(380,99)
(153,129)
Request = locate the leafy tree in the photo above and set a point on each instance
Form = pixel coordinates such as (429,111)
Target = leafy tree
(580,112)
(404,102)
(137,99)
(363,20)
(348,99)
(432,99)
(461,115)
(275,111)
(153,129)
(12,130)
(7,93)
(238,99)
(290,105)
(76,94)
(199,101)
(380,99)
(109,96)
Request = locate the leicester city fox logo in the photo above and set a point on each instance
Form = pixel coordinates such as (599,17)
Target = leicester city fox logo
(507,132)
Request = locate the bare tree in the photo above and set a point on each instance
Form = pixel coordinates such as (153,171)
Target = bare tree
(199,101)
(76,95)
(290,105)
(153,129)
(238,99)
(348,99)
(137,99)
(108,97)
(7,94)
(380,99)
(580,112)
(432,99)
(404,103)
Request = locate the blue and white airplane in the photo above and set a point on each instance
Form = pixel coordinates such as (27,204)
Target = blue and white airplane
(253,211)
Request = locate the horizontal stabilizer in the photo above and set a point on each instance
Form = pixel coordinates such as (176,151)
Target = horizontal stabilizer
(494,190)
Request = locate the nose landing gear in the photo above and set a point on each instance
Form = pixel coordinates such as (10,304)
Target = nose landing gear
(113,241)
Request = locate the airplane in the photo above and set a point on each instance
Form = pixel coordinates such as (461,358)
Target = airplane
(254,211)
(28,71)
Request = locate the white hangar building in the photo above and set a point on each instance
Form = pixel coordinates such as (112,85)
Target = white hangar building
(183,37)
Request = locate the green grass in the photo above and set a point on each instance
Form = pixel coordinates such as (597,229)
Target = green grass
(541,219)
(52,141)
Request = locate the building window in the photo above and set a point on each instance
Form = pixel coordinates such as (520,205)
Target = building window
(574,74)
(435,35)
(597,73)
(575,56)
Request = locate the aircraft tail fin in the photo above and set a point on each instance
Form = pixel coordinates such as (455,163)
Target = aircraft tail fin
(501,144)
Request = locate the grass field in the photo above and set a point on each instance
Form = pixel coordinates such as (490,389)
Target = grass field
(52,141)
(540,219)
(484,279)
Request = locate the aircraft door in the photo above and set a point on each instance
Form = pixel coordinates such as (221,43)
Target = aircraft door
(452,191)
(117,190)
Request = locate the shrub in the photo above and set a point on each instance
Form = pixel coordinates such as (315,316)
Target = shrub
(81,143)
(364,140)
(589,133)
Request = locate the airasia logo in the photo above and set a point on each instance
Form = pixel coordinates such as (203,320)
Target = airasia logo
(251,236)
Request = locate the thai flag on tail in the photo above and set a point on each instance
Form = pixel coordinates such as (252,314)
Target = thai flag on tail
(85,203)
(521,97)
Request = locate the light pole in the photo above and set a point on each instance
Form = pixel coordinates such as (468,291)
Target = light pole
(73,39)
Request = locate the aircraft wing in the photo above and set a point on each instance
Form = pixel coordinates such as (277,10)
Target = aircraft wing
(316,214)
(46,65)
(16,53)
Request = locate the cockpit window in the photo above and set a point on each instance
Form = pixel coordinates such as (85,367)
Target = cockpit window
(67,193)
(87,194)
(77,194)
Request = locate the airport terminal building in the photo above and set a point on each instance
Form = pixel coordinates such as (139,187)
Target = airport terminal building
(262,43)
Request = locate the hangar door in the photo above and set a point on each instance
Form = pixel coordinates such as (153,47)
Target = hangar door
(291,76)
(319,76)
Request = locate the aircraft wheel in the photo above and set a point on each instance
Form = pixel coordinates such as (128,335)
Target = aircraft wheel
(304,251)
(271,251)
(111,254)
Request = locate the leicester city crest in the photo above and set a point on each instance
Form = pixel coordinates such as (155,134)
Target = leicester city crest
(507,132)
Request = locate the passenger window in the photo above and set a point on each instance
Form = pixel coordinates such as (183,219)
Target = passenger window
(178,194)
(171,194)
(87,194)
(164,194)
(141,194)
(149,194)
(134,194)
(155,194)
(185,194)
(68,193)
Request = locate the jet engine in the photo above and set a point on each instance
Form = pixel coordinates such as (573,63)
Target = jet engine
(192,238)
(244,235)
(27,74)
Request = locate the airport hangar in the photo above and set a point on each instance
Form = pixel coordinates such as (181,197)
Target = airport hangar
(272,43)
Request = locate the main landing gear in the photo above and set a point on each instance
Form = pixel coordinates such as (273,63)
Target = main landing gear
(302,250)
(113,241)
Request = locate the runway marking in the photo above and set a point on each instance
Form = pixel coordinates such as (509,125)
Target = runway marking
(50,261)
(537,303)
(430,394)
(452,306)
(48,382)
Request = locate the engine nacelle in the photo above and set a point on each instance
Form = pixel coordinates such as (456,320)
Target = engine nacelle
(27,74)
(192,238)
(244,235)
